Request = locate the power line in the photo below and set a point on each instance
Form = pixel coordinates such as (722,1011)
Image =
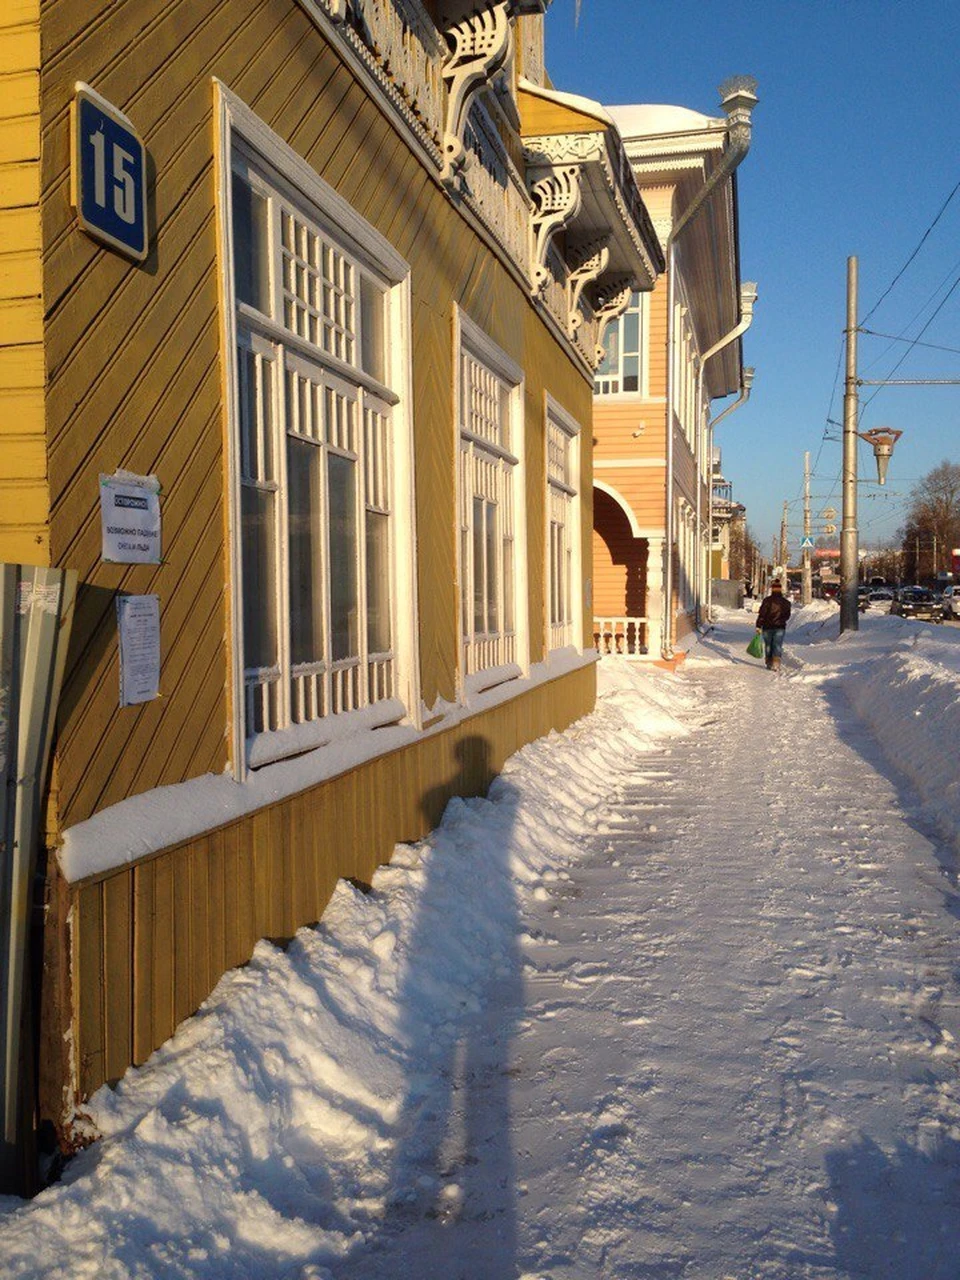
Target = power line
(923,238)
(932,346)
(914,341)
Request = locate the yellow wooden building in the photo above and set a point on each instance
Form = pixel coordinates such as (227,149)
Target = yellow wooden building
(667,356)
(343,311)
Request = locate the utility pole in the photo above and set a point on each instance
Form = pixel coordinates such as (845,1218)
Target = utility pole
(849,549)
(806,587)
(784,545)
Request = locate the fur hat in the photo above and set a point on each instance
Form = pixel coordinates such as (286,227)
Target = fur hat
(776,585)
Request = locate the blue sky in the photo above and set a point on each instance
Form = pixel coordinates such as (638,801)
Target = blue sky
(855,150)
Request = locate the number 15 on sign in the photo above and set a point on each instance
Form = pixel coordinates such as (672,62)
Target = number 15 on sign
(108,174)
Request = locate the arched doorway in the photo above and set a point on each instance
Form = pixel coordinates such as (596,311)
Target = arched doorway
(619,579)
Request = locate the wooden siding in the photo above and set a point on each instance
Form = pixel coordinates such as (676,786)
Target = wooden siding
(619,563)
(135,376)
(135,381)
(541,116)
(23,457)
(151,940)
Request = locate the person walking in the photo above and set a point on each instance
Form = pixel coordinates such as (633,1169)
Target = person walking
(772,621)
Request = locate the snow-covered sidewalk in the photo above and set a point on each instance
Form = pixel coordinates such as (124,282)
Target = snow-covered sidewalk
(680,998)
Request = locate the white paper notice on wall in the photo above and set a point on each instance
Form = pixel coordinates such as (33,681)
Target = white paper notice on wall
(130,518)
(138,620)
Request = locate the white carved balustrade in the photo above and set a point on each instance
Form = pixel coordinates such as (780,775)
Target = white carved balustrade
(403,47)
(495,189)
(625,636)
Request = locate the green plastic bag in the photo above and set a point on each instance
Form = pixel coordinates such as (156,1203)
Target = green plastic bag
(755,647)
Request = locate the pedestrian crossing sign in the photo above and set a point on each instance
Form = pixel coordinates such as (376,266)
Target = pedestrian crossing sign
(805,542)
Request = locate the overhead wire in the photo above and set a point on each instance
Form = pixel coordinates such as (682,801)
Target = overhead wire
(920,244)
(913,342)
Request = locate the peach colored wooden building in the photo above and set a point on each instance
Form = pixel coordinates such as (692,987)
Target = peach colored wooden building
(357,355)
(667,356)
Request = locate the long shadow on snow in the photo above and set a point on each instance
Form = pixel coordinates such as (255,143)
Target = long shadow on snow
(450,1209)
(859,737)
(896,1216)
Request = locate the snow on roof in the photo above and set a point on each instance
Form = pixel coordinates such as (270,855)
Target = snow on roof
(651,119)
(586,106)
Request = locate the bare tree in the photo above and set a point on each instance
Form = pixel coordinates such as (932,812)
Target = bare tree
(932,526)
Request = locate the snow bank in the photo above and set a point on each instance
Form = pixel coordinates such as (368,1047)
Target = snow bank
(909,697)
(262,1138)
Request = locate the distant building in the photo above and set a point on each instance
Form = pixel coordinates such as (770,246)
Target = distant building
(668,355)
(729,521)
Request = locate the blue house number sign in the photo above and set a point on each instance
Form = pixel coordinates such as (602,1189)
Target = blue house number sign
(109,175)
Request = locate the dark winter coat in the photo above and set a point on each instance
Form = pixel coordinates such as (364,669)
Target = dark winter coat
(774,612)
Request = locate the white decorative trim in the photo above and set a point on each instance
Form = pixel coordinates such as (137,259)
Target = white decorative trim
(396,46)
(482,45)
(362,240)
(612,297)
(556,414)
(557,199)
(604,149)
(622,503)
(592,260)
(494,357)
(468,334)
(629,462)
(239,129)
(561,416)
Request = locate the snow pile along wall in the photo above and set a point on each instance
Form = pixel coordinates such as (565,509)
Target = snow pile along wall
(279,1124)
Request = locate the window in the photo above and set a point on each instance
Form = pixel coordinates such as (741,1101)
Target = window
(319,443)
(489,502)
(563,526)
(623,367)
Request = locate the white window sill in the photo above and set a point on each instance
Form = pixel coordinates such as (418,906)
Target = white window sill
(490,678)
(282,744)
(145,824)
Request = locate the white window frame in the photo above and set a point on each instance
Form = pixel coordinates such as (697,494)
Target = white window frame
(563,540)
(500,654)
(240,134)
(602,382)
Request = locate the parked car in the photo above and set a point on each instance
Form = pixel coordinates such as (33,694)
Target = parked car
(917,602)
(950,600)
(881,599)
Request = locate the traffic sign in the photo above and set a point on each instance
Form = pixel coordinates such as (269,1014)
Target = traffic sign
(805,542)
(108,179)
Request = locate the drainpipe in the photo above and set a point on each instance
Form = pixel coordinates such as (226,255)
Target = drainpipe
(742,399)
(748,297)
(738,98)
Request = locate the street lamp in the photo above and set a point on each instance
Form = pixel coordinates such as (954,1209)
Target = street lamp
(883,439)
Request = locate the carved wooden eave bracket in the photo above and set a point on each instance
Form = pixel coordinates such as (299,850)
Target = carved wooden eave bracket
(611,203)
(482,44)
(611,297)
(557,199)
(588,262)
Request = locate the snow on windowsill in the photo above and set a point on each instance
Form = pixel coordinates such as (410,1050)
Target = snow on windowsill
(165,816)
(281,744)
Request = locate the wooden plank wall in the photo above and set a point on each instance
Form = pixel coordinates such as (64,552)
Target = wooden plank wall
(135,372)
(135,382)
(150,941)
(619,563)
(24,535)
